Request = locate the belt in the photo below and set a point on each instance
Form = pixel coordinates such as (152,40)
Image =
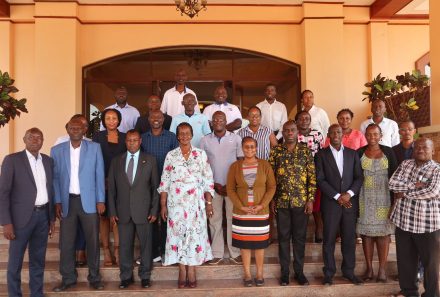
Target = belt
(74,195)
(40,207)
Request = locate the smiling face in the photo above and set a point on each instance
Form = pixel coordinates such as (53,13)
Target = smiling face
(378,108)
(254,117)
(180,77)
(344,120)
(75,129)
(304,121)
(156,119)
(307,100)
(219,121)
(189,102)
(184,135)
(423,150)
(220,95)
(111,120)
(373,135)
(249,148)
(33,140)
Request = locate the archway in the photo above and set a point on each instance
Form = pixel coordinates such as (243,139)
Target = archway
(242,72)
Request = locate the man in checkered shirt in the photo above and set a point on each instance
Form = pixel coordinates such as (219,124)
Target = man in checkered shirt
(416,214)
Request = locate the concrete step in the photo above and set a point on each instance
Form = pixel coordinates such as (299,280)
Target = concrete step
(312,267)
(227,288)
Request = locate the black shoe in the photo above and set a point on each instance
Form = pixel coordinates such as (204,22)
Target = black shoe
(146,283)
(97,285)
(259,282)
(125,283)
(328,281)
(284,281)
(63,287)
(302,279)
(353,279)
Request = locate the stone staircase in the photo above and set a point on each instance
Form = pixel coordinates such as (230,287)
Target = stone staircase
(213,280)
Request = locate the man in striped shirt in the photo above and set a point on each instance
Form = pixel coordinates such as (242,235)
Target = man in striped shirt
(416,214)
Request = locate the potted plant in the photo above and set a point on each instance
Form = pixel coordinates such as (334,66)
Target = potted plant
(9,106)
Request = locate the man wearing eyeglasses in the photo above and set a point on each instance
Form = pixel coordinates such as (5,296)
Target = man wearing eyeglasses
(404,149)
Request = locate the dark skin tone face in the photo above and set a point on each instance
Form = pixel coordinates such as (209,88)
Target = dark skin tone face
(75,131)
(33,141)
(254,117)
(220,95)
(373,136)
(378,109)
(133,142)
(303,122)
(307,100)
(219,123)
(153,103)
(180,77)
(335,135)
(423,150)
(185,136)
(344,120)
(156,119)
(189,103)
(407,131)
(121,97)
(290,133)
(271,93)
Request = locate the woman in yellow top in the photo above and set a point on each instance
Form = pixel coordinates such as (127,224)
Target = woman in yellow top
(251,186)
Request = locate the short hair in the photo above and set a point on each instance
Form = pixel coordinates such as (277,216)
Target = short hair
(33,130)
(182,125)
(133,131)
(305,91)
(249,138)
(300,113)
(332,126)
(373,125)
(289,122)
(121,88)
(254,107)
(347,110)
(105,111)
(219,112)
(270,85)
(407,121)
(156,111)
(189,95)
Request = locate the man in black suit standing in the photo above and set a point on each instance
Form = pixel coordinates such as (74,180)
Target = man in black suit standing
(133,204)
(339,175)
(26,211)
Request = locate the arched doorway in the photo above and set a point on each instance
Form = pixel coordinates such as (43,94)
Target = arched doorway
(243,73)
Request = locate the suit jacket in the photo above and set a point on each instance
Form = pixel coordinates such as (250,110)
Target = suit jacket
(91,175)
(143,125)
(330,180)
(136,201)
(18,190)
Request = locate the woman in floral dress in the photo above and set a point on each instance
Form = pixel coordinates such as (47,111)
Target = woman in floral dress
(186,191)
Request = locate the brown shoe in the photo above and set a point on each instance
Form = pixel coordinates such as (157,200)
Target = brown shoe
(237,260)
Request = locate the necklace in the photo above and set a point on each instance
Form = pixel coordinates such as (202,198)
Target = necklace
(187,153)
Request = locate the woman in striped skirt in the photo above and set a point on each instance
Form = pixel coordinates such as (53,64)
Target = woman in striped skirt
(251,186)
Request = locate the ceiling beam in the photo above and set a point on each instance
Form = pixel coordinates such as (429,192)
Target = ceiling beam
(4,9)
(384,9)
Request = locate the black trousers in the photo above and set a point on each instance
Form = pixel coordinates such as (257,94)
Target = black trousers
(68,226)
(35,235)
(337,218)
(159,237)
(410,247)
(292,226)
(126,246)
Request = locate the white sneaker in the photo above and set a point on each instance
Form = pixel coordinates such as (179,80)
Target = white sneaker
(157,259)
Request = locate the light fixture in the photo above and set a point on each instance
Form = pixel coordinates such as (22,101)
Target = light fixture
(190,7)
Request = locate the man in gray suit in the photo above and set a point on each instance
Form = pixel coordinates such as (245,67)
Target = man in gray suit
(133,204)
(26,211)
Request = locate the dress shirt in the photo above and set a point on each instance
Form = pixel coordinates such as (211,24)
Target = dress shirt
(273,116)
(199,123)
(221,152)
(74,187)
(390,131)
(339,158)
(231,111)
(172,101)
(135,162)
(66,138)
(40,178)
(319,119)
(419,209)
(129,117)
(159,146)
(262,136)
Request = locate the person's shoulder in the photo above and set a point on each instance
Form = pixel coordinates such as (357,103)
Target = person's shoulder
(264,163)
(260,104)
(15,155)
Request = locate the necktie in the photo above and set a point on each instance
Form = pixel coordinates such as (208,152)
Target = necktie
(130,169)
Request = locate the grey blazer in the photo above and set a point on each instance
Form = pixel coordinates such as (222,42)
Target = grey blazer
(18,190)
(136,201)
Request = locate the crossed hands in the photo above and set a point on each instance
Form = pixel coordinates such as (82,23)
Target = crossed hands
(344,200)
(252,210)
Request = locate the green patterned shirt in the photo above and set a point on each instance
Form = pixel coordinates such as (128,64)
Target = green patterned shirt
(295,175)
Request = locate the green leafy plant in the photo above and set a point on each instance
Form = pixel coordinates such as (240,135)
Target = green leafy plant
(9,106)
(407,88)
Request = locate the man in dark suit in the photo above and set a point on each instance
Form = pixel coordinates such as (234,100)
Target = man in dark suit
(339,176)
(143,123)
(79,197)
(26,211)
(133,204)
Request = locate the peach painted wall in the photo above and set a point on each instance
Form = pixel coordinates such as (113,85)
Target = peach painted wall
(52,42)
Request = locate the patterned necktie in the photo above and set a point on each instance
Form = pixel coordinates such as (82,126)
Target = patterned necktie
(130,169)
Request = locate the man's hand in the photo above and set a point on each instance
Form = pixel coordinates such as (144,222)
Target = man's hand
(344,200)
(100,206)
(273,208)
(8,232)
(220,189)
(420,185)
(51,229)
(398,195)
(152,219)
(308,208)
(58,211)
(114,220)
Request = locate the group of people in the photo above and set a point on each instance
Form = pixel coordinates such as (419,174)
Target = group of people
(165,177)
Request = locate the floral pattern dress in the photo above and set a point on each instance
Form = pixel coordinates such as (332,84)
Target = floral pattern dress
(186,181)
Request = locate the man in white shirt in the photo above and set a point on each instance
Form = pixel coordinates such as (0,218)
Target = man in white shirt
(129,113)
(390,129)
(66,137)
(319,117)
(171,102)
(233,114)
(273,112)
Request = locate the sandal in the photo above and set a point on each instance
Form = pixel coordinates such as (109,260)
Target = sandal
(247,282)
(259,282)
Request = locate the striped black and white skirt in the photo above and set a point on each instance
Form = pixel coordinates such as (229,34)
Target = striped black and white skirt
(250,231)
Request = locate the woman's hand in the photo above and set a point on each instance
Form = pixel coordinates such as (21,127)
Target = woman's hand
(164,213)
(246,209)
(209,210)
(256,209)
